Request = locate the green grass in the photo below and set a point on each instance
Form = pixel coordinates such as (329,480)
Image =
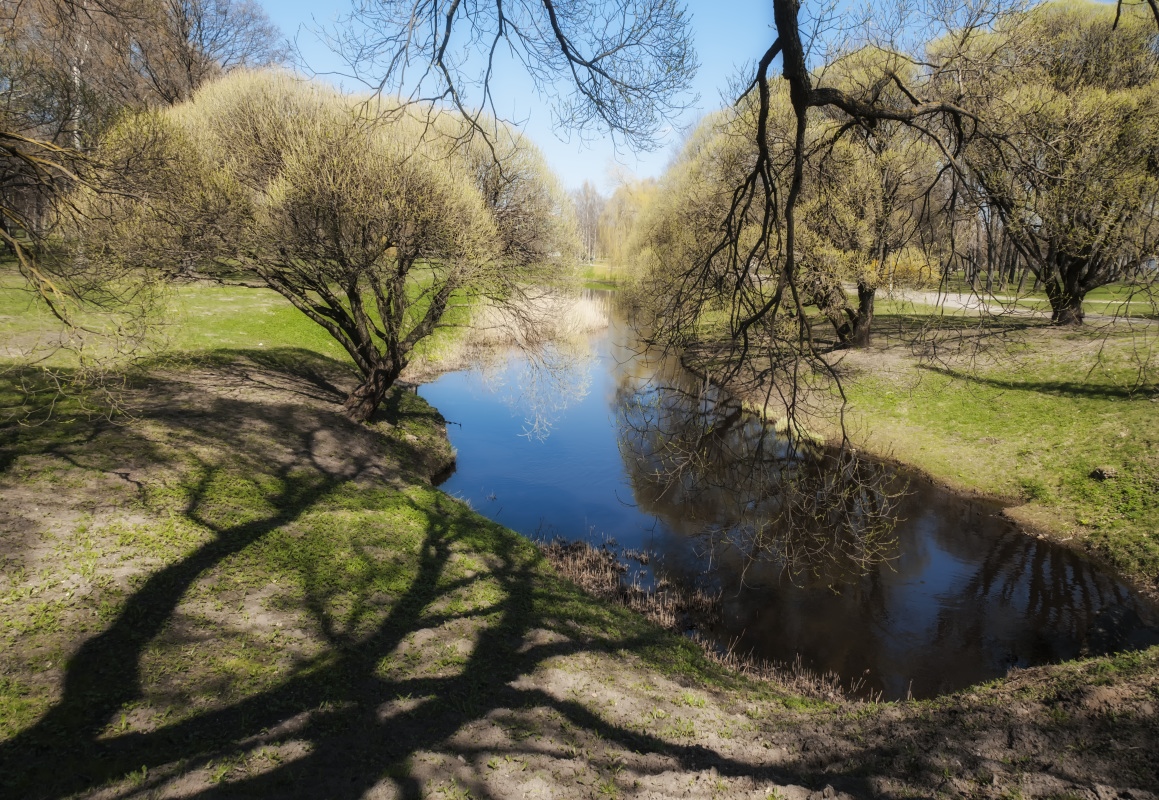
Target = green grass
(203,318)
(194,319)
(1032,425)
(601,275)
(209,565)
(233,586)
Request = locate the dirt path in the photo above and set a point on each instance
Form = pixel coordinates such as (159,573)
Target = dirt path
(1004,304)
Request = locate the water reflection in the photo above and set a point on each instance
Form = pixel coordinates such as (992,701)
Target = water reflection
(968,597)
(693,454)
(540,384)
(652,457)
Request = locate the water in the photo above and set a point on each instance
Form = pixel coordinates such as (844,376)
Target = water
(915,593)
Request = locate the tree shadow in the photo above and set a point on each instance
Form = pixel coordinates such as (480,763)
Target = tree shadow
(1072,389)
(333,704)
(385,688)
(296,370)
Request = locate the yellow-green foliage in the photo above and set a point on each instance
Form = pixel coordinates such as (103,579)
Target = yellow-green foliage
(1076,101)
(682,227)
(870,186)
(535,219)
(369,216)
(1074,44)
(618,222)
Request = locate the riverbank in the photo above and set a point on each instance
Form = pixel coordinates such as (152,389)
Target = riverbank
(238,592)
(230,590)
(1059,424)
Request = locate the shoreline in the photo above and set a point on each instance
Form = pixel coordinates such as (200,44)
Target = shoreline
(1146,585)
(295,610)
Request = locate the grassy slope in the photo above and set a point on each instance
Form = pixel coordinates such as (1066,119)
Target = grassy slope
(209,539)
(237,592)
(1030,421)
(252,580)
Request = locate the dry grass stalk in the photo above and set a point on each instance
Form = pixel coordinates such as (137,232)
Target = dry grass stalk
(601,572)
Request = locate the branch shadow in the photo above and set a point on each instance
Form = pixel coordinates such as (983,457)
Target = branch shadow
(302,456)
(1072,389)
(353,718)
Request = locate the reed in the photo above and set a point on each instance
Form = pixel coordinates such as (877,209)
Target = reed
(602,572)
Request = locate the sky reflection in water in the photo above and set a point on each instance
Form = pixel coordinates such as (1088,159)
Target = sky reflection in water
(963,597)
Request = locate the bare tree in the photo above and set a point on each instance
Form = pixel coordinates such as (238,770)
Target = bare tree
(621,65)
(186,43)
(589,205)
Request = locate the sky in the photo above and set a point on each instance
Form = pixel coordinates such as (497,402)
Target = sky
(728,34)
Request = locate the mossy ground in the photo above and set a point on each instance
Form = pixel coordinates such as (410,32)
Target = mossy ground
(227,589)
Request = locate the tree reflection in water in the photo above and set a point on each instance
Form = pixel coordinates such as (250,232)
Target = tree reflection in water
(897,585)
(816,554)
(539,383)
(694,454)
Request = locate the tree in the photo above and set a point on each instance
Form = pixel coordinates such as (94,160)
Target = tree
(1074,176)
(70,69)
(589,205)
(622,66)
(370,228)
(869,202)
(619,217)
(182,44)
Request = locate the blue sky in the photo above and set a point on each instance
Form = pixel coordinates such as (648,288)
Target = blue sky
(728,34)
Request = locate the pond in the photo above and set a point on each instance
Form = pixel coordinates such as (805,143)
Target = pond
(898,586)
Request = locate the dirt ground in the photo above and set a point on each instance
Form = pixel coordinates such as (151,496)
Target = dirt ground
(149,648)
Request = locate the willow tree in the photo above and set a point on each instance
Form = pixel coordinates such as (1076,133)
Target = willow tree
(369,226)
(1074,174)
(871,189)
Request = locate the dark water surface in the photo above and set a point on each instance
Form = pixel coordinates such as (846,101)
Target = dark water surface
(613,444)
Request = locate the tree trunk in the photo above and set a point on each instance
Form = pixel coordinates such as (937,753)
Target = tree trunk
(368,396)
(1066,302)
(1067,310)
(863,322)
(826,293)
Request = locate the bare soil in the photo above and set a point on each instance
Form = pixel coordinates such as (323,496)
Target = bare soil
(238,593)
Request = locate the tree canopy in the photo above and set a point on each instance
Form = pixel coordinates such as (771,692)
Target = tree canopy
(368,224)
(72,69)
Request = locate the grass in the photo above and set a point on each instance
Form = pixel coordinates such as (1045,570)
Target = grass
(600,275)
(200,318)
(230,589)
(230,548)
(1031,422)
(203,318)
(260,571)
(1059,422)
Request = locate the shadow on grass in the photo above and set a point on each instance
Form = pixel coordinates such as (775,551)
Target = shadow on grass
(294,369)
(356,724)
(1073,389)
(305,459)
